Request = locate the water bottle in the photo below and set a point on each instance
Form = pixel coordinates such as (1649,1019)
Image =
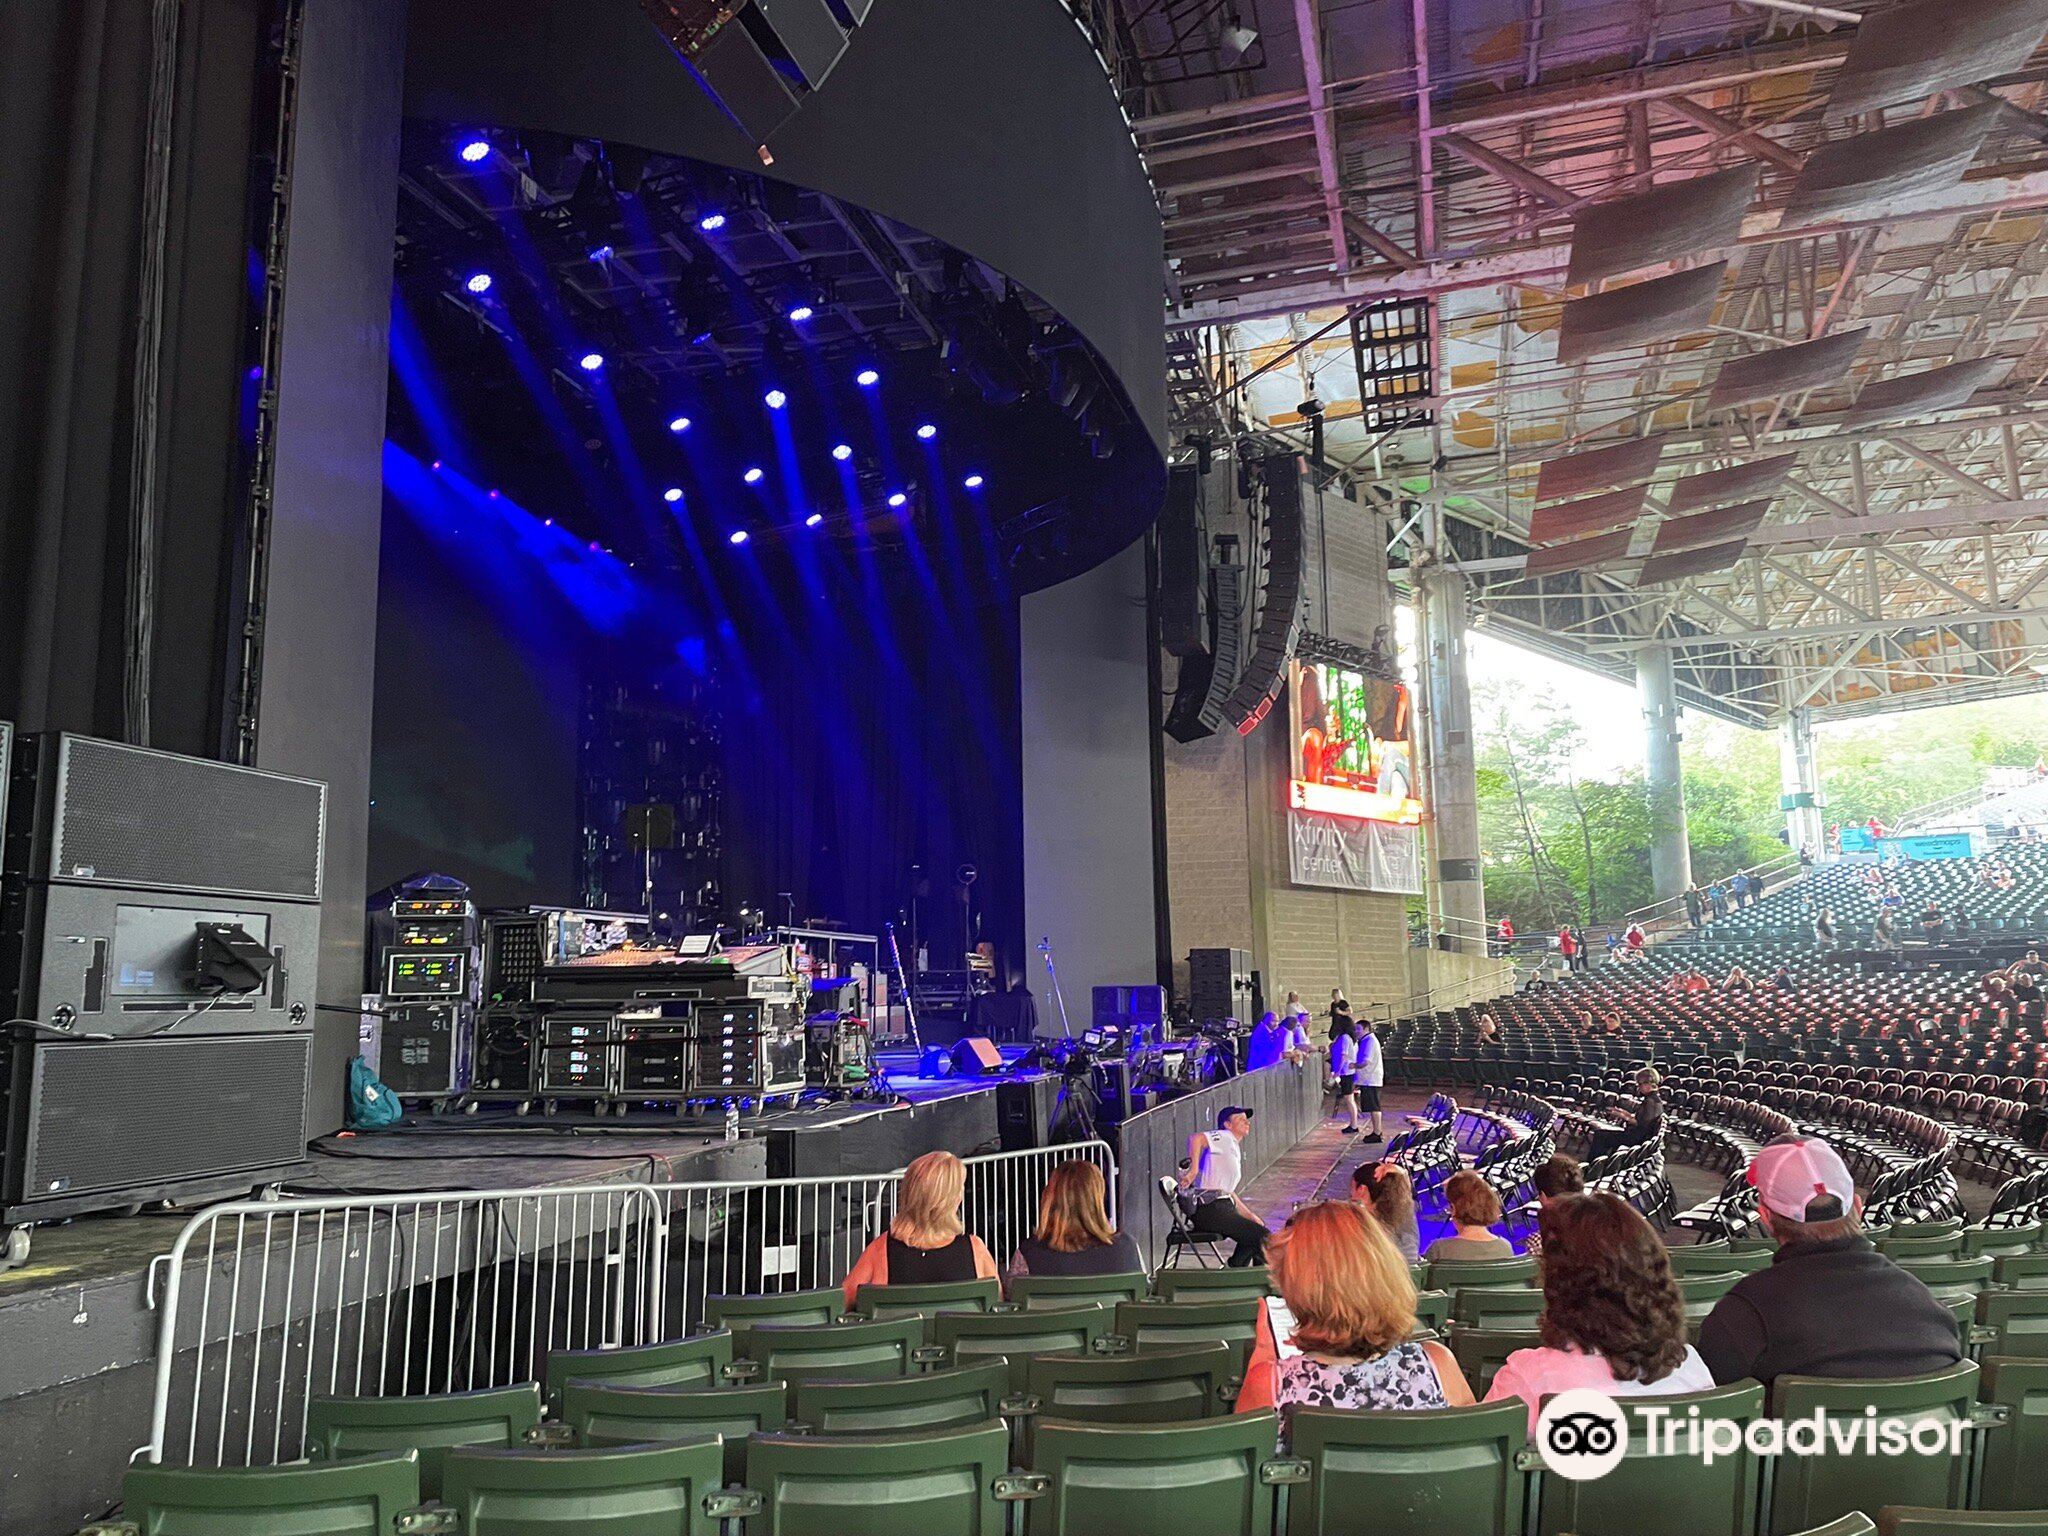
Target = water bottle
(732,1120)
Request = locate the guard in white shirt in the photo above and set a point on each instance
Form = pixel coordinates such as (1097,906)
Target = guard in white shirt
(1344,1070)
(1372,1075)
(1215,1167)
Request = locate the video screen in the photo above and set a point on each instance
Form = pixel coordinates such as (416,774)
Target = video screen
(1350,746)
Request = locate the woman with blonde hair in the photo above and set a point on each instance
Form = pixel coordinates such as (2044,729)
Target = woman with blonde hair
(1352,1302)
(1075,1235)
(926,1242)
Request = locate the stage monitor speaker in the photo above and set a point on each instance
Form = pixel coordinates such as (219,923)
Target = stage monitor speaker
(759,59)
(1282,610)
(976,1056)
(1181,565)
(1024,1110)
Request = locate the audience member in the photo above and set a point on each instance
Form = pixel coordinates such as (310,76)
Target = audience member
(1266,1044)
(1613,1319)
(1829,1304)
(1641,1123)
(927,1242)
(1385,1190)
(1372,1076)
(1344,1075)
(1352,1305)
(1474,1211)
(1075,1235)
(1215,1167)
(1557,1177)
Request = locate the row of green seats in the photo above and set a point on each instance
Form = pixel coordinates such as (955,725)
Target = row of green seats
(1451,1472)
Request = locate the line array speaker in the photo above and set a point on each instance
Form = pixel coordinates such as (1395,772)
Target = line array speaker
(1180,565)
(760,60)
(1282,611)
(1205,680)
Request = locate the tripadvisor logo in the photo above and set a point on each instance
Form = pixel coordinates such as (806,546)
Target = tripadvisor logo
(1581,1434)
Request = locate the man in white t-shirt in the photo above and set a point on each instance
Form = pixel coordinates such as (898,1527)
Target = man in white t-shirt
(1344,1071)
(1215,1167)
(1372,1076)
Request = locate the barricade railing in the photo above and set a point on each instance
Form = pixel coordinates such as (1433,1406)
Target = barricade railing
(265,1305)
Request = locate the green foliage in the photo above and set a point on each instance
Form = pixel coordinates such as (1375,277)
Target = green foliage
(1573,848)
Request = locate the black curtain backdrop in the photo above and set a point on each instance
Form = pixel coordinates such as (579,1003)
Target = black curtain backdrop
(74,112)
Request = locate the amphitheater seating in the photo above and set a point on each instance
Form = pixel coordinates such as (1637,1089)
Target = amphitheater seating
(1220,1475)
(972,1394)
(1454,1472)
(362,1496)
(613,1491)
(1246,1284)
(1171,1324)
(837,1351)
(338,1427)
(950,1480)
(1035,1291)
(1809,1490)
(796,1307)
(968,1337)
(891,1301)
(1657,1495)
(698,1361)
(598,1415)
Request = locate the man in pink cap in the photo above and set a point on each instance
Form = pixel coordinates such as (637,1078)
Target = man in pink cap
(1829,1304)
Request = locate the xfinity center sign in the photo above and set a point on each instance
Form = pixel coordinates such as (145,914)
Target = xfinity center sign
(1349,854)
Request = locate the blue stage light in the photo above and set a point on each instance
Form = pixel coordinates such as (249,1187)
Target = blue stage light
(737,536)
(600,253)
(775,399)
(753,475)
(814,519)
(867,378)
(479,282)
(679,423)
(842,452)
(437,463)
(711,223)
(475,150)
(972,482)
(898,499)
(801,313)
(927,432)
(672,495)
(590,362)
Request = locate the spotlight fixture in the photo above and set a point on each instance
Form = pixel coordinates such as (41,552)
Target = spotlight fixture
(927,432)
(867,378)
(814,519)
(842,451)
(972,482)
(437,463)
(679,423)
(898,499)
(474,150)
(737,536)
(711,223)
(799,313)
(590,362)
(479,282)
(672,495)
(600,253)
(775,399)
(1237,39)
(753,474)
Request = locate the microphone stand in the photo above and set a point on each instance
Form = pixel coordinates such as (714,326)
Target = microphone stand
(1045,949)
(909,1004)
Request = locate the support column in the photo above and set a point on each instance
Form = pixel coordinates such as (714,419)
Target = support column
(1664,776)
(1799,774)
(1453,779)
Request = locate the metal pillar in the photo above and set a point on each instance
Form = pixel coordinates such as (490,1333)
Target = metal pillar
(1670,848)
(1799,774)
(1453,781)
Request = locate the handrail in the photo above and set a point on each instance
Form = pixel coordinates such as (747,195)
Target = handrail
(1665,906)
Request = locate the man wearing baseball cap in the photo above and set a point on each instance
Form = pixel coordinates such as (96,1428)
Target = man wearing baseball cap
(1214,1168)
(1829,1304)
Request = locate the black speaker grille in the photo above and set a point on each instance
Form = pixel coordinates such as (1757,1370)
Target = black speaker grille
(6,777)
(142,1112)
(130,817)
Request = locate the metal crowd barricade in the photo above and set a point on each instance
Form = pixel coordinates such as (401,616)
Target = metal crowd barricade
(264,1306)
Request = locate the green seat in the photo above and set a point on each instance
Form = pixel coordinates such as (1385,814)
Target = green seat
(1144,1387)
(1175,1324)
(1902,1244)
(1457,1274)
(1950,1278)
(1754,1243)
(1715,1258)
(837,1351)
(795,1307)
(1701,1292)
(636,1490)
(2021,1271)
(362,1496)
(968,1337)
(1506,1309)
(1441,1472)
(1812,1489)
(2018,1322)
(604,1415)
(1665,1495)
(972,1394)
(1432,1310)
(887,1301)
(1035,1291)
(2001,1241)
(938,1483)
(353,1426)
(1849,1525)
(1156,1479)
(698,1361)
(2014,1474)
(1483,1351)
(1898,1521)
(1248,1284)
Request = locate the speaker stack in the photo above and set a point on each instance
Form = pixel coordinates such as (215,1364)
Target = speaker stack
(1283,598)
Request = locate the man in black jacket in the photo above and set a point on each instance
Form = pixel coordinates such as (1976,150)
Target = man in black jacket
(1829,1304)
